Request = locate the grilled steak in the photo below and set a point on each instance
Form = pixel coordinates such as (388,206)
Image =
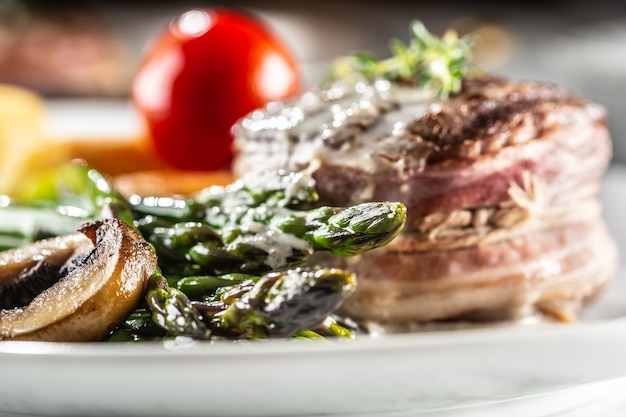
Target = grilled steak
(500,182)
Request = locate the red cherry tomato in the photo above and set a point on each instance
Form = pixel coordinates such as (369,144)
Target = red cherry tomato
(206,70)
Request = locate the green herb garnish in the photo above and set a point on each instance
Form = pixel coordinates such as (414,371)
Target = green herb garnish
(428,61)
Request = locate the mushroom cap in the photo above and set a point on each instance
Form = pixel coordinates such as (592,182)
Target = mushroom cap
(98,293)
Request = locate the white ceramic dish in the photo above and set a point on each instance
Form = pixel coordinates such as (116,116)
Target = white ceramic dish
(528,369)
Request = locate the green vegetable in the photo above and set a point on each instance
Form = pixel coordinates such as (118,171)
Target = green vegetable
(23,224)
(295,303)
(172,310)
(437,64)
(207,288)
(285,240)
(226,206)
(229,257)
(80,187)
(346,231)
(282,303)
(139,326)
(330,328)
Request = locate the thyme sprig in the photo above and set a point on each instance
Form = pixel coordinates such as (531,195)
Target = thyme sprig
(435,63)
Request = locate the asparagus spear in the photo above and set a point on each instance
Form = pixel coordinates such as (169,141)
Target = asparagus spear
(288,239)
(272,188)
(224,206)
(139,326)
(172,310)
(20,225)
(295,303)
(330,328)
(282,303)
(347,231)
(209,288)
(79,186)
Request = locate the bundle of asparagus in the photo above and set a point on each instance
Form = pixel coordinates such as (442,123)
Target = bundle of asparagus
(232,261)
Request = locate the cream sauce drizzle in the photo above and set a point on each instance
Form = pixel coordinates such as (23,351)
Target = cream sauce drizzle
(351,126)
(279,246)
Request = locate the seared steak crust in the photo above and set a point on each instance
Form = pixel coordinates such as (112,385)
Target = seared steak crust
(488,115)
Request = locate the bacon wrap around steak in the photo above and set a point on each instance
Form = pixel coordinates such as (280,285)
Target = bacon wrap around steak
(500,182)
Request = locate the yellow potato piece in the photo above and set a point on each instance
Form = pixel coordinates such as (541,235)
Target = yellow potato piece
(24,149)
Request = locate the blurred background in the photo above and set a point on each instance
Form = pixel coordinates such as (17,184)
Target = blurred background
(70,51)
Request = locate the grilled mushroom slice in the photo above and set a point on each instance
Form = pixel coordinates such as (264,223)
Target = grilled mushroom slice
(74,288)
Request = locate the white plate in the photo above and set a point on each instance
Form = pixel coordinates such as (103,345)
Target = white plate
(515,370)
